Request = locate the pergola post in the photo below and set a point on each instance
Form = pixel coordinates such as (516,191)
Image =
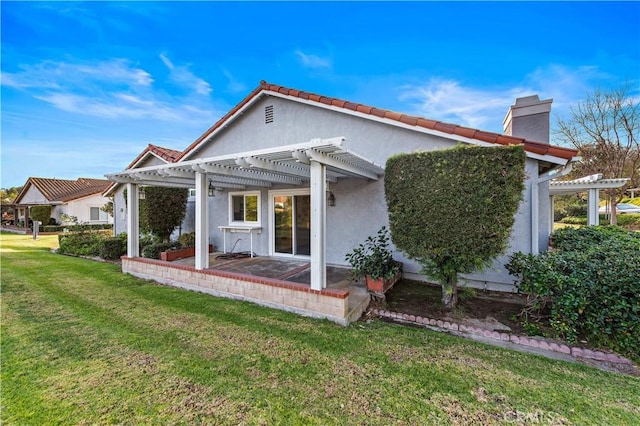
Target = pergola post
(133,221)
(202,221)
(593,199)
(318,225)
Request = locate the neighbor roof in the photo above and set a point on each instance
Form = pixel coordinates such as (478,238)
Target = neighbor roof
(166,154)
(264,88)
(63,190)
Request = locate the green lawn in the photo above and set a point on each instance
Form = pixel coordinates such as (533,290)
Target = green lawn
(84,344)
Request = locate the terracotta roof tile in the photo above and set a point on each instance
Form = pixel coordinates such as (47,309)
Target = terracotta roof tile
(64,190)
(408,119)
(427,124)
(377,112)
(497,138)
(444,127)
(466,132)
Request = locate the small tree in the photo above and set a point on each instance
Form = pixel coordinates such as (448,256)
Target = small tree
(452,210)
(162,210)
(604,128)
(40,213)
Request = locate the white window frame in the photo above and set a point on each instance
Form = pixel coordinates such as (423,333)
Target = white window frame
(244,194)
(102,216)
(272,225)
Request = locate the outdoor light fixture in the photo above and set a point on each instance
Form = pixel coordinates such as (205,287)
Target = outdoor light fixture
(332,199)
(211,190)
(141,193)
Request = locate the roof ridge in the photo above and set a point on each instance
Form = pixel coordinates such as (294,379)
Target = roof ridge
(532,146)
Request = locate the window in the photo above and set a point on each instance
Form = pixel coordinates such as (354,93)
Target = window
(192,192)
(244,207)
(97,215)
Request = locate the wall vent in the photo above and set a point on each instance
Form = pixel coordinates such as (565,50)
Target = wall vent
(268,114)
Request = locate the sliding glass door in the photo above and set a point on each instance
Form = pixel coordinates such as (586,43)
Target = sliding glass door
(291,223)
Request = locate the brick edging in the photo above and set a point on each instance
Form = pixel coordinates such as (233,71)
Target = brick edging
(449,326)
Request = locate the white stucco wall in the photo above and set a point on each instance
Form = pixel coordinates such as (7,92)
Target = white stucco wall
(360,208)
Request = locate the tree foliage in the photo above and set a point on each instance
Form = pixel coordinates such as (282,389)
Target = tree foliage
(41,214)
(452,210)
(8,195)
(162,210)
(605,129)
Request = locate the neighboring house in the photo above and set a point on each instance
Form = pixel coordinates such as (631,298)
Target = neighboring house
(81,198)
(152,155)
(299,175)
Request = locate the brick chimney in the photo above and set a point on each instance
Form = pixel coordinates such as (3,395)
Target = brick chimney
(529,118)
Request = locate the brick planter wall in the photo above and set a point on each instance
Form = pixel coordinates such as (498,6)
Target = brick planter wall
(331,304)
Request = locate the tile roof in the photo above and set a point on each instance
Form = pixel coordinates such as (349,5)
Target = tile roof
(166,154)
(63,190)
(535,147)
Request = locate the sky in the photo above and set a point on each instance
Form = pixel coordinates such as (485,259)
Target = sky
(86,86)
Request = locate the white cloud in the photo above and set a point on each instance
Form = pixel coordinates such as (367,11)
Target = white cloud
(57,75)
(484,108)
(313,61)
(450,101)
(233,86)
(182,76)
(113,89)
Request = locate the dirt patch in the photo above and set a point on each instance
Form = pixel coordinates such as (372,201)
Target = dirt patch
(479,308)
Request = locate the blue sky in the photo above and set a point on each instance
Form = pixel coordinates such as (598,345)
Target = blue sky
(85,86)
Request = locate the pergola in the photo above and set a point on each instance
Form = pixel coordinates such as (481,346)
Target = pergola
(313,163)
(590,184)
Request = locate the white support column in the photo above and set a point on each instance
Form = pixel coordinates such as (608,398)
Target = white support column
(593,199)
(133,221)
(318,225)
(535,217)
(552,209)
(202,221)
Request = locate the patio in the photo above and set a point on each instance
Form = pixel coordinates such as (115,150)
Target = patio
(275,282)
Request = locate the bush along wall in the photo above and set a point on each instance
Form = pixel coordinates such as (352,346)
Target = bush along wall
(587,287)
(452,210)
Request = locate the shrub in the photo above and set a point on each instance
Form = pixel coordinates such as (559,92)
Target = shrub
(444,232)
(112,248)
(40,214)
(187,240)
(587,287)
(571,220)
(80,243)
(152,251)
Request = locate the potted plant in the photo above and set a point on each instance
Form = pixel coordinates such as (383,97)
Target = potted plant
(374,261)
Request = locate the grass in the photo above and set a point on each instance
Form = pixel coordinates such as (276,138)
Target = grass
(84,344)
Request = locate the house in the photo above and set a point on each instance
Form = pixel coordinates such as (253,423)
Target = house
(81,198)
(152,155)
(291,174)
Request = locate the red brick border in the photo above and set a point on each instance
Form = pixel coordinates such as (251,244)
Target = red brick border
(529,341)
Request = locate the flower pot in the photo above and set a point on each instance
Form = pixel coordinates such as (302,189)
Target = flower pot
(382,285)
(170,255)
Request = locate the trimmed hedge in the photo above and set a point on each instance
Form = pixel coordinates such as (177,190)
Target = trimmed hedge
(61,228)
(445,232)
(112,248)
(586,287)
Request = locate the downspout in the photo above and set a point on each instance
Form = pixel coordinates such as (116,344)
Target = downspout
(535,214)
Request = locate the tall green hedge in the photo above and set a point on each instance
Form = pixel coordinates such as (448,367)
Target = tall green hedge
(162,210)
(41,214)
(452,210)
